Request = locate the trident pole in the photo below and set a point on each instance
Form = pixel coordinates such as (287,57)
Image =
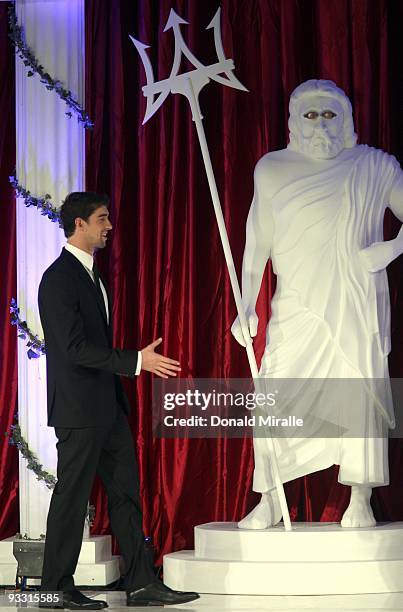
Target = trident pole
(185,84)
(197,118)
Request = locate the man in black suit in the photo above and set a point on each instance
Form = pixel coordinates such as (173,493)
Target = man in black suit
(87,407)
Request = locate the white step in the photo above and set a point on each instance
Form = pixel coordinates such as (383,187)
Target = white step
(87,574)
(313,559)
(96,566)
(94,549)
(97,574)
(7,574)
(185,572)
(306,542)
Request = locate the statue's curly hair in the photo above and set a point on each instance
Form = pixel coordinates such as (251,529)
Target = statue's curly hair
(324,88)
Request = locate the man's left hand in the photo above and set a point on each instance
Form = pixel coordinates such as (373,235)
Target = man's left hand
(158,364)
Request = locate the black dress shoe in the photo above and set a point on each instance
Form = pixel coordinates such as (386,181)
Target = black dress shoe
(74,600)
(157,594)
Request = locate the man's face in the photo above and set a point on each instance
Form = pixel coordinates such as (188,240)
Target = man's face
(95,229)
(321,124)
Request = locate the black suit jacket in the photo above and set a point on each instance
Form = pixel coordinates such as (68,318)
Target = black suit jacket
(83,388)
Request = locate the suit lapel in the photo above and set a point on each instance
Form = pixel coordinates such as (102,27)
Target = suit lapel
(108,295)
(85,277)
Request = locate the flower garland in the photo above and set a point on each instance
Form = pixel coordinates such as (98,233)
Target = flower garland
(16,438)
(43,204)
(36,346)
(34,67)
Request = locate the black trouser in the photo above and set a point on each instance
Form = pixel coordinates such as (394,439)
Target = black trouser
(81,453)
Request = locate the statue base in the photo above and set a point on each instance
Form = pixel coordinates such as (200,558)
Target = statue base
(313,559)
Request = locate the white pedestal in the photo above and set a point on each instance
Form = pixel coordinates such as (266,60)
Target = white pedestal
(313,559)
(96,565)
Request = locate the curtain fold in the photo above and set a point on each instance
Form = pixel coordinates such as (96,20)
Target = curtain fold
(9,523)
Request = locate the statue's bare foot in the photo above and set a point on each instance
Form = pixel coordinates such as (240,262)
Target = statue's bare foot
(266,514)
(359,512)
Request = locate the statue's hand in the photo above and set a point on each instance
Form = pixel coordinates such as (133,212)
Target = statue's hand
(236,329)
(380,254)
(377,256)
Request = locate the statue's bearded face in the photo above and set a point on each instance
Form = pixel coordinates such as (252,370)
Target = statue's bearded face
(321,127)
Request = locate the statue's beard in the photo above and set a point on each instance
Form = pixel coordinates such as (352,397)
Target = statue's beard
(321,145)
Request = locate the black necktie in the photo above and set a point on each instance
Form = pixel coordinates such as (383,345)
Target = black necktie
(95,271)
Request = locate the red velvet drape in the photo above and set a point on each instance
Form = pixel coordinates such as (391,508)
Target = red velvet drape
(8,280)
(165,264)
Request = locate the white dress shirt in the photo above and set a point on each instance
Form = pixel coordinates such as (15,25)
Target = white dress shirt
(87,261)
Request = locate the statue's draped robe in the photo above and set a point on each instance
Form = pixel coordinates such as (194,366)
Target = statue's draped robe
(331,317)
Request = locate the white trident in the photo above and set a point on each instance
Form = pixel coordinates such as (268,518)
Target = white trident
(190,85)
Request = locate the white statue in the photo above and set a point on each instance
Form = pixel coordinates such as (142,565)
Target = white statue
(318,212)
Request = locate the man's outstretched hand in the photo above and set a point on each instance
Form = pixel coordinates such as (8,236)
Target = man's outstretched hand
(156,363)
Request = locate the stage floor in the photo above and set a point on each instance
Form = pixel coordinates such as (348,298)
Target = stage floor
(246,603)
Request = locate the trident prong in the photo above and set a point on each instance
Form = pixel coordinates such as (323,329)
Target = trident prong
(157,92)
(190,85)
(174,22)
(152,106)
(216,24)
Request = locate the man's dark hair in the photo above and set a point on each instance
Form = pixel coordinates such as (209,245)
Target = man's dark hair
(80,204)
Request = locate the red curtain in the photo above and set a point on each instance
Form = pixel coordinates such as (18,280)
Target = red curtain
(165,264)
(8,281)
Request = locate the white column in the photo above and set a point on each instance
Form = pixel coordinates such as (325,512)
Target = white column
(50,159)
